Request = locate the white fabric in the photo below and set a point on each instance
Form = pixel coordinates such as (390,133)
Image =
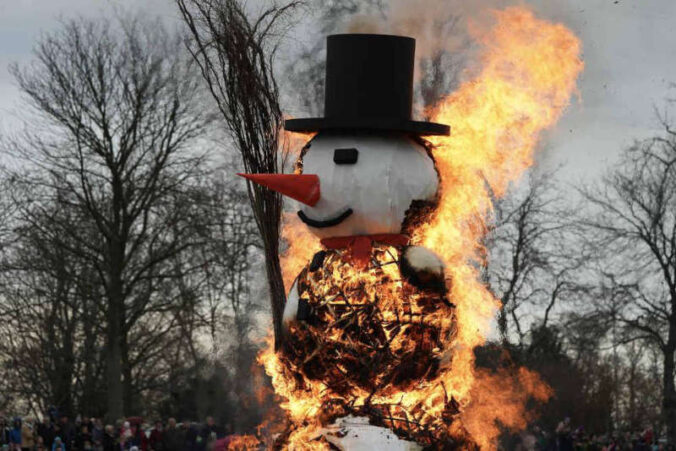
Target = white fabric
(421,259)
(356,434)
(291,306)
(391,172)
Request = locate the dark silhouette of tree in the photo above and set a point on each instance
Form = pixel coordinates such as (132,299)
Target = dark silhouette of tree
(116,111)
(633,227)
(51,327)
(533,262)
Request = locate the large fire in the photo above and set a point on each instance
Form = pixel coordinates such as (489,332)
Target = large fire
(528,73)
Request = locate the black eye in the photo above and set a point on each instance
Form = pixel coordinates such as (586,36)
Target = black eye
(345,156)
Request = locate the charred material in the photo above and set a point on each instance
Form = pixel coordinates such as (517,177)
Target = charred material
(369,334)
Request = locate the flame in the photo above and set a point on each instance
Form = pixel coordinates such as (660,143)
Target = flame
(302,245)
(243,443)
(505,405)
(528,72)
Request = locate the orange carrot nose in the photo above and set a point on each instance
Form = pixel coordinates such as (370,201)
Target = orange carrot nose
(302,187)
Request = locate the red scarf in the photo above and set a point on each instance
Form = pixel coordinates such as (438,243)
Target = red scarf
(360,245)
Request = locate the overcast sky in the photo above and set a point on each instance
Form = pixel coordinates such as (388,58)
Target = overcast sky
(629,54)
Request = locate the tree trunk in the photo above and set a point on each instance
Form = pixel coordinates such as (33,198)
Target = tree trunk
(114,365)
(633,417)
(669,396)
(127,382)
(63,385)
(502,322)
(115,395)
(89,384)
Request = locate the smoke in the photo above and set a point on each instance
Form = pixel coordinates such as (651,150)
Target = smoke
(446,33)
(437,25)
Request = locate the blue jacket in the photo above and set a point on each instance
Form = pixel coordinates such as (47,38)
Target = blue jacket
(63,445)
(15,436)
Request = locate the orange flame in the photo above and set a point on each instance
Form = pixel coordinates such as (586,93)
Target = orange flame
(243,443)
(529,70)
(302,246)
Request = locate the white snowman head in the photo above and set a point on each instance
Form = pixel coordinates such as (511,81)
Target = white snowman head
(367,182)
(357,184)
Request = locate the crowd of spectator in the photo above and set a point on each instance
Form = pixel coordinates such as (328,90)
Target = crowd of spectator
(133,434)
(567,437)
(91,434)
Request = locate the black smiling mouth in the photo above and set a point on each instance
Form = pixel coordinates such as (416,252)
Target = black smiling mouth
(326,223)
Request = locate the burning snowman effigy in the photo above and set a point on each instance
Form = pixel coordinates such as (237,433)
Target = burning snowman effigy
(367,364)
(369,317)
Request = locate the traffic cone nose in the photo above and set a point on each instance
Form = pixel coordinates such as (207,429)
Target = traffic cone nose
(302,187)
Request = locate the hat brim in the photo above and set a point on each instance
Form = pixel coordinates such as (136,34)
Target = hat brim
(378,124)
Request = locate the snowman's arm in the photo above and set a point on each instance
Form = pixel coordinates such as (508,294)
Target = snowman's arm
(291,306)
(296,308)
(422,268)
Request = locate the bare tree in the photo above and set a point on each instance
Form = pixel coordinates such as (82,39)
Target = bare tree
(533,261)
(234,252)
(115,111)
(235,52)
(51,324)
(232,248)
(7,210)
(633,226)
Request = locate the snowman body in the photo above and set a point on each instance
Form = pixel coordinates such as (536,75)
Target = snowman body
(363,317)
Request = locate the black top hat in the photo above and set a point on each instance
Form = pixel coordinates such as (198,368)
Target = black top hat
(369,86)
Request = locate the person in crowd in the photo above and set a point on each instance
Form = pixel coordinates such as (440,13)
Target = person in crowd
(594,443)
(613,445)
(110,442)
(4,432)
(97,433)
(46,432)
(156,439)
(172,438)
(58,444)
(131,437)
(648,436)
(66,432)
(190,436)
(39,444)
(15,435)
(125,431)
(563,435)
(142,433)
(210,432)
(27,436)
(83,436)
